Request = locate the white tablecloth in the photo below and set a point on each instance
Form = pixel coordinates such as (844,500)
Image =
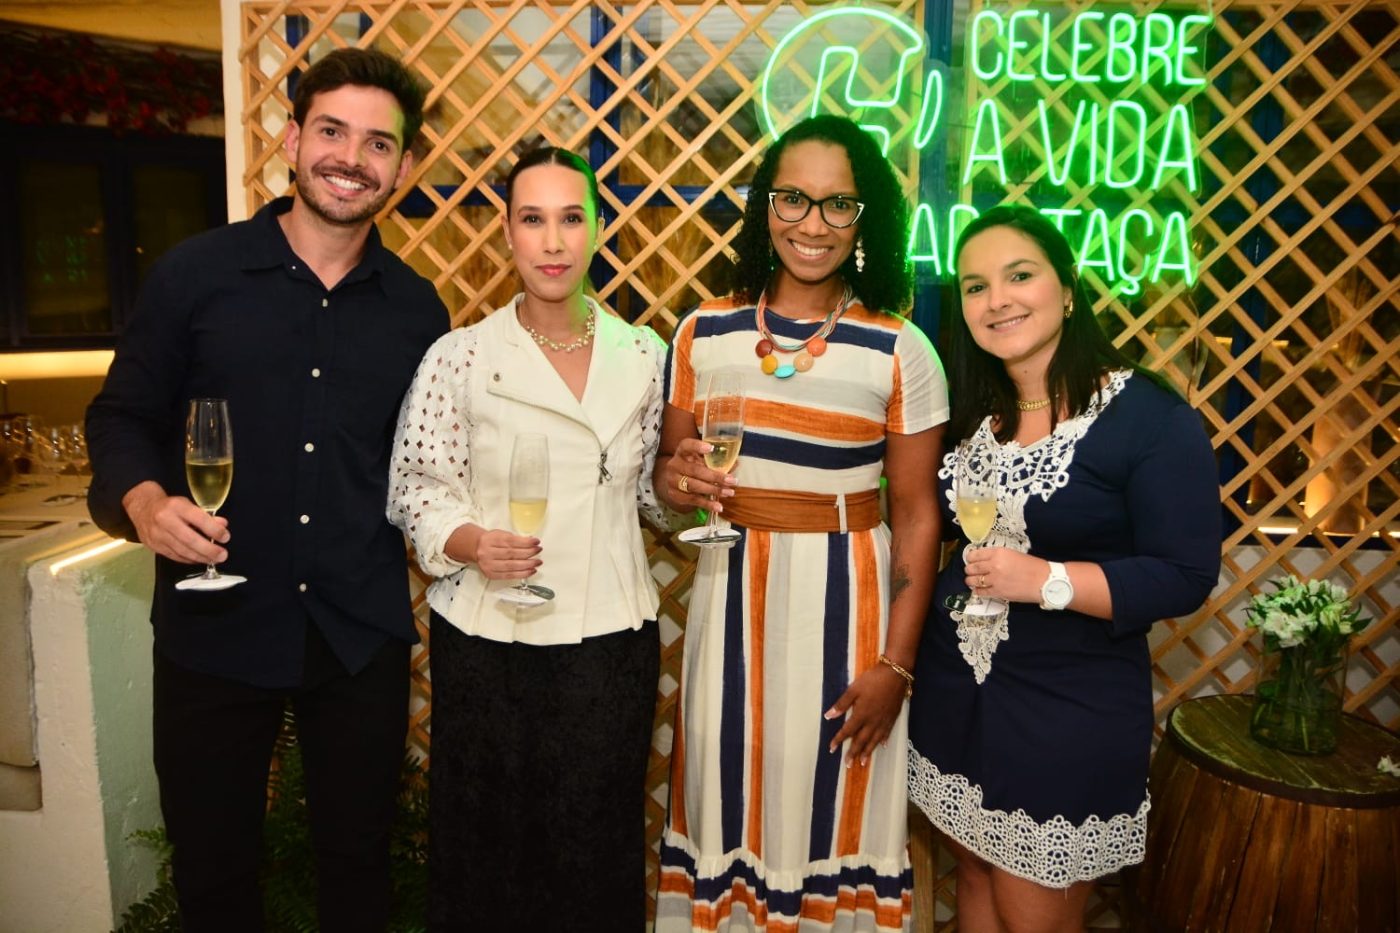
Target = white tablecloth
(62,498)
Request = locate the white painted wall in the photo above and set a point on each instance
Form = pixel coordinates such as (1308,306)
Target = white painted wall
(235,158)
(68,867)
(117,594)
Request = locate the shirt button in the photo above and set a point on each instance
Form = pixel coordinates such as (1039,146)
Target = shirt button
(316,373)
(325,302)
(305,519)
(301,587)
(310,447)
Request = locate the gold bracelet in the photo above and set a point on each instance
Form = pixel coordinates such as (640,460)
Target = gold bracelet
(908,677)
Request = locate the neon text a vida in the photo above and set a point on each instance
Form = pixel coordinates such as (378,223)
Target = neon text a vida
(1132,135)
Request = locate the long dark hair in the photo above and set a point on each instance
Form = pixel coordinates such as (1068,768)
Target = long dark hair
(887,282)
(552,155)
(979,383)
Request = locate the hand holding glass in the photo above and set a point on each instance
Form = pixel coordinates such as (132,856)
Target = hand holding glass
(209,472)
(529,495)
(975,500)
(723,430)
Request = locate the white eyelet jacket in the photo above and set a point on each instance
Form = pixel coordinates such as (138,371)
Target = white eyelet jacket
(478,387)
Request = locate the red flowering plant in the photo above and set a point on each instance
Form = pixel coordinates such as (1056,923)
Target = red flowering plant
(54,77)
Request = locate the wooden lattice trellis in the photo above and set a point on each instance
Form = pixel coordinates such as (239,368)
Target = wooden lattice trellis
(1286,343)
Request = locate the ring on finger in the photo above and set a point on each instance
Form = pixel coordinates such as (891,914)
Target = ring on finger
(683,484)
(983,585)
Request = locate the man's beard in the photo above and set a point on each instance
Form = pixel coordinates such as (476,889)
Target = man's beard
(338,212)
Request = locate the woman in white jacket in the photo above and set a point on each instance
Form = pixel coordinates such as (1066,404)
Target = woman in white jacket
(541,714)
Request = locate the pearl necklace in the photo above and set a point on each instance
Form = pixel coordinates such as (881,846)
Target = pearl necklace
(807,350)
(577,343)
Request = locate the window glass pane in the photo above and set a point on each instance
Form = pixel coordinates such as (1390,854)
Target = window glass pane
(170,206)
(65,249)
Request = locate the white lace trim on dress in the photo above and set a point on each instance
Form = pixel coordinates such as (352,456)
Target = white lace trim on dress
(1055,853)
(1020,472)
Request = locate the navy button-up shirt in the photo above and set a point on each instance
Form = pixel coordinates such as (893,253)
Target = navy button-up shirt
(313,378)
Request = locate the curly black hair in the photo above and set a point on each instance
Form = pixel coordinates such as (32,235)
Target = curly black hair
(1084,354)
(887,282)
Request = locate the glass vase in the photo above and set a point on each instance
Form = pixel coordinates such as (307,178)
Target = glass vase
(1298,697)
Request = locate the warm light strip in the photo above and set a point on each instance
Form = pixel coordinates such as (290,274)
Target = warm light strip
(58,566)
(54,365)
(1290,529)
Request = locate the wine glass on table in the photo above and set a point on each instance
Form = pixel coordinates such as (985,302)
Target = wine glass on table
(209,472)
(529,495)
(723,429)
(975,501)
(78,450)
(55,457)
(50,454)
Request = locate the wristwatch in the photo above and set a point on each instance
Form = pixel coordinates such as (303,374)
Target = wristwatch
(1056,592)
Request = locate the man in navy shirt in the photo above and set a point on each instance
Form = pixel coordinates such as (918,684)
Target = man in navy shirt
(311,330)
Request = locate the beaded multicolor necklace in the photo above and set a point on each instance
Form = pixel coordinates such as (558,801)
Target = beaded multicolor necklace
(807,350)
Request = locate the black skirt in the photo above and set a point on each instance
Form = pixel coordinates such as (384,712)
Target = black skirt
(538,781)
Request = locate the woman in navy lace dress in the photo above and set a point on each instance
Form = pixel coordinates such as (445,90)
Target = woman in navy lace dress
(1031,726)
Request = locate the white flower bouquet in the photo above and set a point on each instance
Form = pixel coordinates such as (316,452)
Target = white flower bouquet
(1306,626)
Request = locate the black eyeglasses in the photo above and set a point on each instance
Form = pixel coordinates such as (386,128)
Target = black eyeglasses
(839,210)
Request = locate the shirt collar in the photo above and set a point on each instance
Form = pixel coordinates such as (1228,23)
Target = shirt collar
(268,246)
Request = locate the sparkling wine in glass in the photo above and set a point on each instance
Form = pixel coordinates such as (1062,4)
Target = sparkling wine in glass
(975,500)
(529,495)
(209,472)
(723,430)
(977,511)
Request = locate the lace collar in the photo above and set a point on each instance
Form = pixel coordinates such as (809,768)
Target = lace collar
(1036,469)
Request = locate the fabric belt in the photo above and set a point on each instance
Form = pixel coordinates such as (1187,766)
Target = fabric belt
(787,510)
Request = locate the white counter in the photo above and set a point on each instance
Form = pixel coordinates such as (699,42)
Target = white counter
(68,866)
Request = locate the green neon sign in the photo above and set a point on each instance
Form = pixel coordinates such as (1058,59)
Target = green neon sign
(910,42)
(1129,142)
(1105,244)
(1116,49)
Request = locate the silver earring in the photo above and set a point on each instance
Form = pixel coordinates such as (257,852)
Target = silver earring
(860,255)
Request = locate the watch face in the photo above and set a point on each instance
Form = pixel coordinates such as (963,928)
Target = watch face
(1058,593)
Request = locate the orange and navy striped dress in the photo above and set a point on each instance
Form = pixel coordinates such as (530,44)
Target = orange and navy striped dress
(767,831)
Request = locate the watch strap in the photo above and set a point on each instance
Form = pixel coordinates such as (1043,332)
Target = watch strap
(1058,574)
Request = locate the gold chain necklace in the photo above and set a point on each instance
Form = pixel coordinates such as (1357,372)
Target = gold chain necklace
(1035,405)
(577,343)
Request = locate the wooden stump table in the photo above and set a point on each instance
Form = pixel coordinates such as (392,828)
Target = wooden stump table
(1242,837)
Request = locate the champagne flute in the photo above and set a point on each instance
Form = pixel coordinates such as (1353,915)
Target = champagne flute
(529,495)
(24,429)
(723,429)
(975,501)
(209,472)
(78,450)
(50,454)
(55,456)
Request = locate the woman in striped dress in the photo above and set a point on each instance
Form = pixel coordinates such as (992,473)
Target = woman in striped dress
(787,784)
